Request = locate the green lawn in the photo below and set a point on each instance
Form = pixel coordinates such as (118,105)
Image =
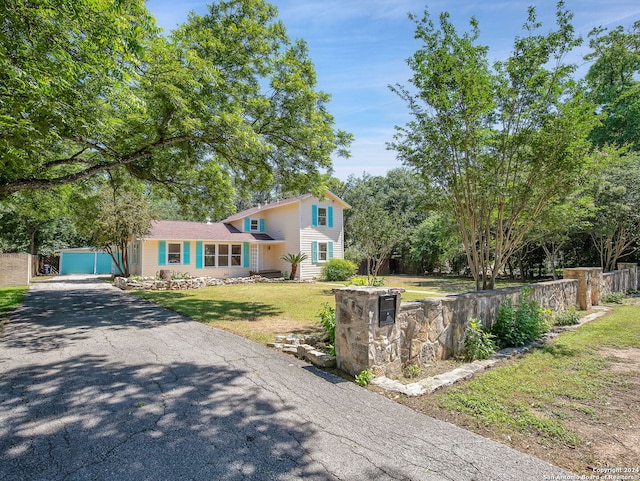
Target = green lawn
(439,285)
(256,311)
(543,396)
(262,311)
(10,298)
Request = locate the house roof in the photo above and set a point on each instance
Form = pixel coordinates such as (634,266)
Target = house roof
(216,231)
(280,203)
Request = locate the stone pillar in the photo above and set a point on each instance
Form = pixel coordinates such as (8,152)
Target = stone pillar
(361,343)
(633,274)
(583,275)
(597,285)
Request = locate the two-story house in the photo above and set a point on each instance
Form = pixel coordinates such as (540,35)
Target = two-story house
(253,240)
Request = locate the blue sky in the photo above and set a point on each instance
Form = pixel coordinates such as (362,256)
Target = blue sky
(360,47)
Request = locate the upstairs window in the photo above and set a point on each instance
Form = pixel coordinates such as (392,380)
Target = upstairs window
(322,216)
(255,225)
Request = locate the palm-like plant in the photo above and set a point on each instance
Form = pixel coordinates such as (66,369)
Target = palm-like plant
(294,260)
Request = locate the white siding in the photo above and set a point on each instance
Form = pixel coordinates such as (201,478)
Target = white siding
(308,234)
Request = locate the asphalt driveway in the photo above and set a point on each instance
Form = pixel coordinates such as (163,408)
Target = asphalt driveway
(97,384)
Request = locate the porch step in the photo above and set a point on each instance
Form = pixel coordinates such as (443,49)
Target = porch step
(269,273)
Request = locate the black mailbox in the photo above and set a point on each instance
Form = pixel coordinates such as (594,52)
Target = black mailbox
(387,310)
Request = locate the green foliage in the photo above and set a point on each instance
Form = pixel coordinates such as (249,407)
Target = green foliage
(112,218)
(294,260)
(614,86)
(365,377)
(613,297)
(190,113)
(368,281)
(338,270)
(501,141)
(328,320)
(412,371)
(434,244)
(383,211)
(614,217)
(478,342)
(519,325)
(567,317)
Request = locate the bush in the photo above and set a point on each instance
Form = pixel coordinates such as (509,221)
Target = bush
(520,325)
(612,297)
(367,281)
(338,270)
(365,377)
(567,317)
(478,342)
(328,320)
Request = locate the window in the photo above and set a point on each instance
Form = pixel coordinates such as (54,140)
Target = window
(322,216)
(322,251)
(223,255)
(135,253)
(210,255)
(174,253)
(255,225)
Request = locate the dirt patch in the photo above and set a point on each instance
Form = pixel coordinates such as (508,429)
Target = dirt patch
(609,428)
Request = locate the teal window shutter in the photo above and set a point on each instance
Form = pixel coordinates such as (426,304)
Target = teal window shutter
(314,215)
(329,250)
(314,251)
(330,216)
(245,254)
(186,248)
(261,225)
(247,224)
(162,253)
(198,254)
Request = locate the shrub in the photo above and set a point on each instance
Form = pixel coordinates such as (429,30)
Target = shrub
(520,325)
(411,371)
(338,270)
(612,297)
(567,317)
(478,342)
(366,281)
(328,320)
(365,377)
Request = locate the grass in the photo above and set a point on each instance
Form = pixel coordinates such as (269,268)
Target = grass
(256,311)
(526,396)
(262,311)
(439,286)
(10,298)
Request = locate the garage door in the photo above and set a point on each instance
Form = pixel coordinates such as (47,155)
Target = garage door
(85,263)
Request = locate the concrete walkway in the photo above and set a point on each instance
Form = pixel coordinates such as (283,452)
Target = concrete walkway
(96,384)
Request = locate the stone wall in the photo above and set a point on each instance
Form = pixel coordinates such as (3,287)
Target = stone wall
(434,328)
(151,283)
(15,270)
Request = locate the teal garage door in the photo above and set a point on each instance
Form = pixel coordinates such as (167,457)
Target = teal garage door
(85,263)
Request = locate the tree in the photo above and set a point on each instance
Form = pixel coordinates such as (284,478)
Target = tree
(614,86)
(192,113)
(376,223)
(113,217)
(37,222)
(500,143)
(435,244)
(615,216)
(294,260)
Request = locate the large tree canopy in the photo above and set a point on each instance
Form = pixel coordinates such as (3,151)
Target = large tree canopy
(501,142)
(614,85)
(88,86)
